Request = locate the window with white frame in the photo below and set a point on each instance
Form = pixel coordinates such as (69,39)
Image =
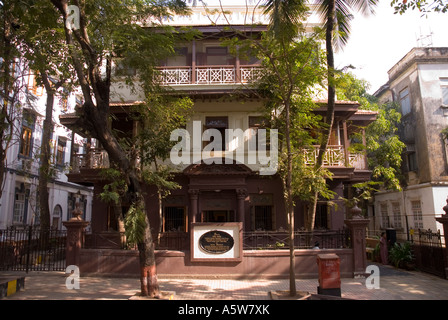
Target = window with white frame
(19,208)
(57,216)
(26,138)
(444,88)
(405,101)
(416,207)
(396,211)
(60,152)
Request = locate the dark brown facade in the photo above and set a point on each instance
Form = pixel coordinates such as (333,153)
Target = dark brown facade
(233,192)
(224,193)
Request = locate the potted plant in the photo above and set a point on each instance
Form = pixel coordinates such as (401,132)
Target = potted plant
(401,256)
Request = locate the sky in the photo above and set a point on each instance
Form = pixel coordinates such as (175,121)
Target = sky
(378,42)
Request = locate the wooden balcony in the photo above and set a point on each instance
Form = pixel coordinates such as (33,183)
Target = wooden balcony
(95,159)
(335,156)
(208,75)
(341,164)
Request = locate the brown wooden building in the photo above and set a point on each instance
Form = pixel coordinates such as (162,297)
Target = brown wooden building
(223,193)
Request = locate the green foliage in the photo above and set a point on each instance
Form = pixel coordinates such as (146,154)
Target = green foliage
(158,117)
(424,6)
(285,17)
(343,16)
(114,191)
(135,224)
(293,72)
(444,133)
(401,253)
(383,145)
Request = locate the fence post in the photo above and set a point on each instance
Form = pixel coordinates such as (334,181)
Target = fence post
(28,248)
(444,221)
(75,227)
(357,225)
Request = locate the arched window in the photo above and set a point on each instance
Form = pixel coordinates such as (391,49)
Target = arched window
(57,217)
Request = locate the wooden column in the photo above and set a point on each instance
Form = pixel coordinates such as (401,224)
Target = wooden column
(194,196)
(241,197)
(346,142)
(193,62)
(237,69)
(364,142)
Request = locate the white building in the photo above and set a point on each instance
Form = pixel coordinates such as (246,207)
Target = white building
(19,201)
(419,83)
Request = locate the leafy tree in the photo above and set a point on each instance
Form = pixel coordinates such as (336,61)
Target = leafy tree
(336,16)
(292,69)
(11,82)
(383,145)
(41,44)
(98,33)
(424,6)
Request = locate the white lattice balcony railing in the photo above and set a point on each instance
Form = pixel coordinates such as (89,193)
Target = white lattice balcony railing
(358,161)
(178,75)
(335,157)
(207,75)
(250,73)
(215,75)
(95,159)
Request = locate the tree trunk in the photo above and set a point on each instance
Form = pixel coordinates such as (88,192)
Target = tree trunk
(148,273)
(290,205)
(6,126)
(94,118)
(45,153)
(330,107)
(311,212)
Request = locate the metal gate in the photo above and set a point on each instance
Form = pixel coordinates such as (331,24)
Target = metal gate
(429,252)
(32,249)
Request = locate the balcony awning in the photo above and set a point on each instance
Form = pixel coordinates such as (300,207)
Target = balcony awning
(361,119)
(69,120)
(343,110)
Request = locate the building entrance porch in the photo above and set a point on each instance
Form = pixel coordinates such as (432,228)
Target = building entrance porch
(217,205)
(218,216)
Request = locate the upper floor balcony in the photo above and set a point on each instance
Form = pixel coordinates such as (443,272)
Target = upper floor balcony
(337,159)
(200,64)
(206,75)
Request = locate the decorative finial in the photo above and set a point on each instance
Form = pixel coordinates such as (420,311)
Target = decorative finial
(445,208)
(77,213)
(356,212)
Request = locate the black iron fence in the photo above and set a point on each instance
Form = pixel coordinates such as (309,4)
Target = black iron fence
(428,248)
(322,239)
(32,249)
(429,252)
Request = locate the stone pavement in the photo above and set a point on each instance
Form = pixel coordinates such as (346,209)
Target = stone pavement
(394,284)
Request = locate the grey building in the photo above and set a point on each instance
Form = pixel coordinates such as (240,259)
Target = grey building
(419,83)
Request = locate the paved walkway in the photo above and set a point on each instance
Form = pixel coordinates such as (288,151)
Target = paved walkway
(394,284)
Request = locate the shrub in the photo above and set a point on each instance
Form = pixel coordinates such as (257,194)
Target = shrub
(400,254)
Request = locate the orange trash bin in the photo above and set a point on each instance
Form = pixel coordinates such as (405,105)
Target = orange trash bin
(329,274)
